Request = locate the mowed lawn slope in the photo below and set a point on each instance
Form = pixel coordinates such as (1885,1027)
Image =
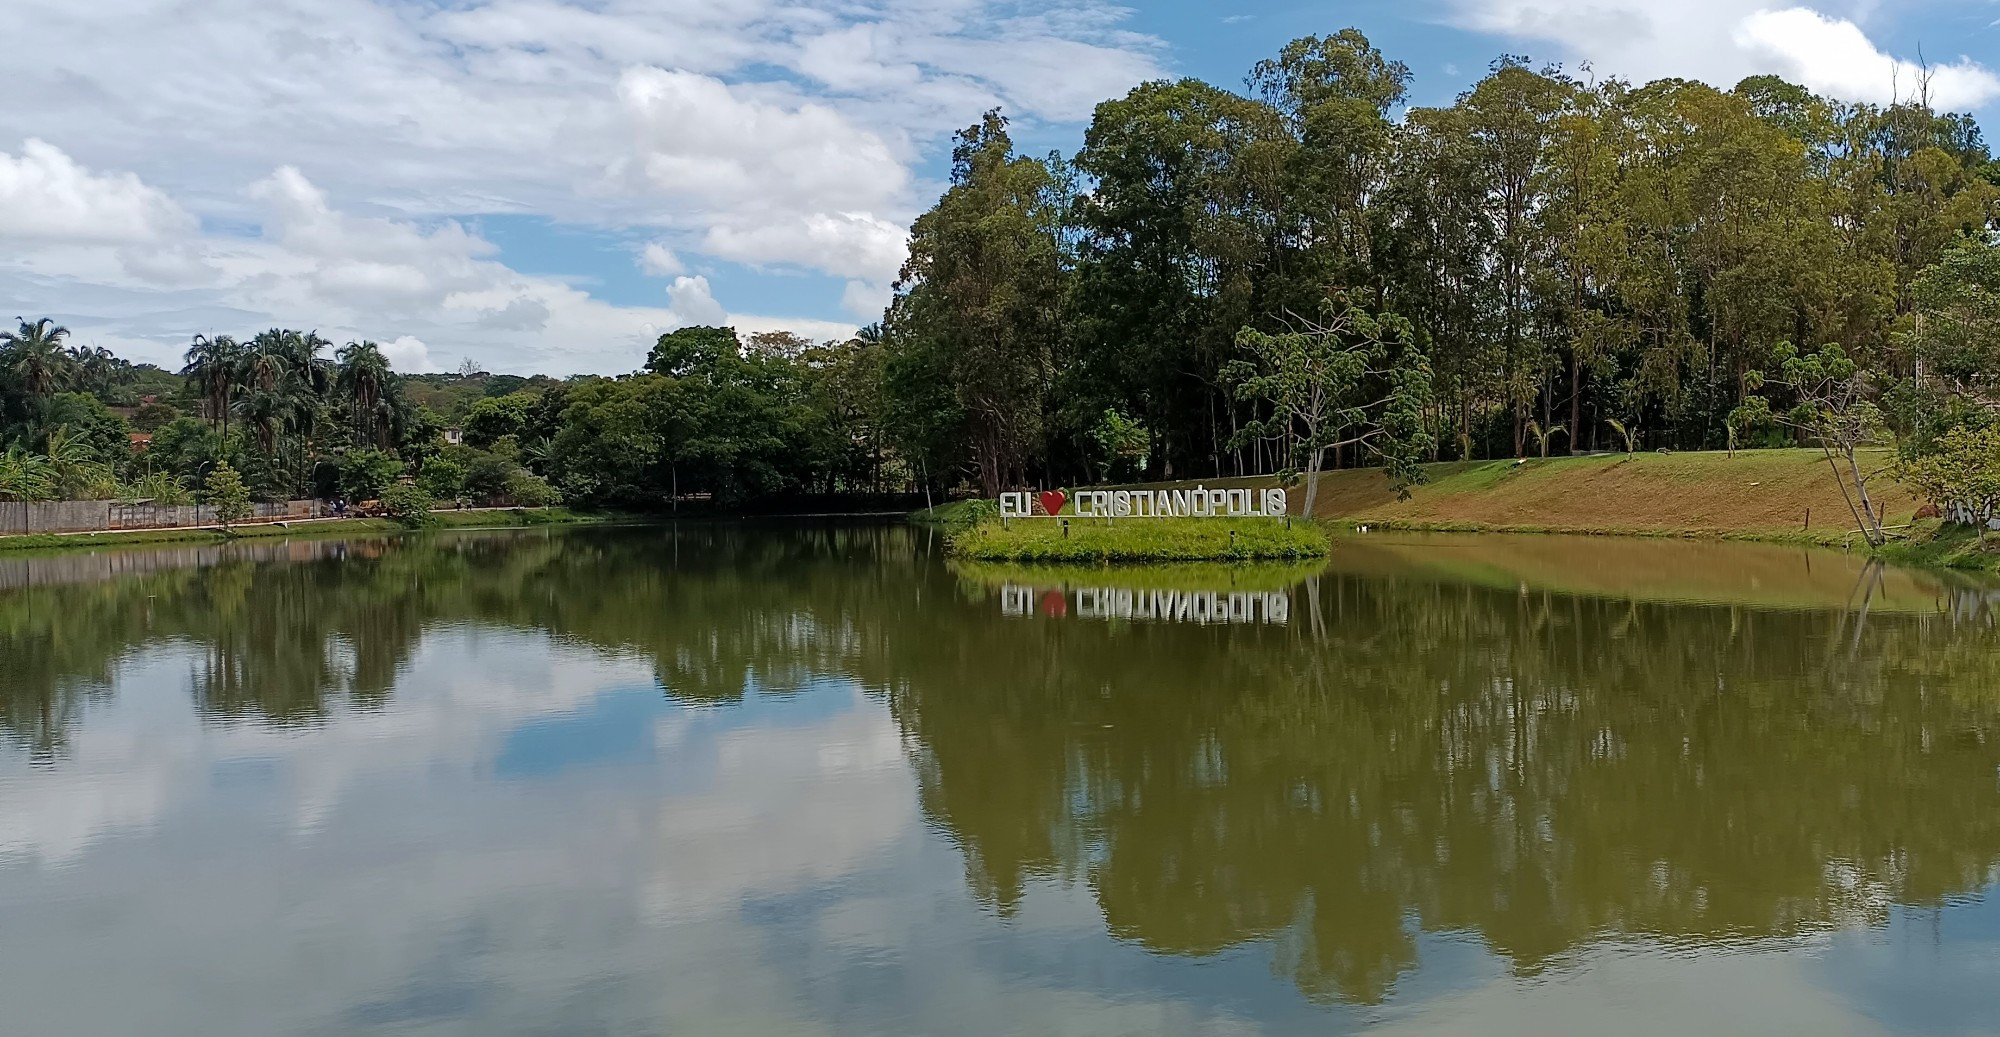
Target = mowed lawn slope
(1755,493)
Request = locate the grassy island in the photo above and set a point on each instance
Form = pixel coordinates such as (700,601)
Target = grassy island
(1096,542)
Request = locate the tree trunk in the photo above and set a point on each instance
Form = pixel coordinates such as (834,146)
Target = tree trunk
(1576,398)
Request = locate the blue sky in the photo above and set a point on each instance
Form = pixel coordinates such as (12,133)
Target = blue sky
(547,185)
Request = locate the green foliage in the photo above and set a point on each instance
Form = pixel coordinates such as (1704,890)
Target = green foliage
(1836,408)
(152,417)
(1543,436)
(408,503)
(26,477)
(495,417)
(1961,476)
(979,306)
(1122,447)
(159,488)
(1351,379)
(365,474)
(525,489)
(443,475)
(227,495)
(88,426)
(1628,436)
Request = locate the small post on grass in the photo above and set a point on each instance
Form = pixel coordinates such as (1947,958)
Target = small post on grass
(1232,541)
(1065,523)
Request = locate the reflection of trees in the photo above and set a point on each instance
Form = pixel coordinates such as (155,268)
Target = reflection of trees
(1542,771)
(278,634)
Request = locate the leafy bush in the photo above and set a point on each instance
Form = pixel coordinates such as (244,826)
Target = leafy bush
(443,476)
(408,503)
(367,474)
(158,487)
(528,490)
(26,477)
(153,416)
(227,495)
(1962,475)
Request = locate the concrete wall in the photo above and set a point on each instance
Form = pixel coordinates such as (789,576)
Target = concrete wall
(84,516)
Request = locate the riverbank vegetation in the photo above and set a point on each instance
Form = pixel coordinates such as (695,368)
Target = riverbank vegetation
(484,518)
(1088,541)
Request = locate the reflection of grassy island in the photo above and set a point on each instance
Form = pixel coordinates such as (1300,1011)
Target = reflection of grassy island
(1185,576)
(1092,541)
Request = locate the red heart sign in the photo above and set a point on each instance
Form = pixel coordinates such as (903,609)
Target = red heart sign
(1053,501)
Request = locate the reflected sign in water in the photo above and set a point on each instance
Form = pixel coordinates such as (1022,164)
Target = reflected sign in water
(1147,606)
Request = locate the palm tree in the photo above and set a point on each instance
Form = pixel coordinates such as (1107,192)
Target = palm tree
(212,363)
(308,380)
(36,356)
(264,412)
(264,359)
(96,367)
(364,380)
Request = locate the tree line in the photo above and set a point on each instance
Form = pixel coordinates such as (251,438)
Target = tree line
(1222,282)
(283,414)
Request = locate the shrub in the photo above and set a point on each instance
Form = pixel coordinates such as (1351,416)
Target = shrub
(367,474)
(527,490)
(228,495)
(443,476)
(408,503)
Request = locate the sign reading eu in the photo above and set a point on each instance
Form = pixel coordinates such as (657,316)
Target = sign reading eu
(1199,502)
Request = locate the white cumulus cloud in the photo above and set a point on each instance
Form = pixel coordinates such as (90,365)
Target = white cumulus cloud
(775,133)
(1834,57)
(1722,41)
(693,302)
(658,260)
(46,195)
(409,355)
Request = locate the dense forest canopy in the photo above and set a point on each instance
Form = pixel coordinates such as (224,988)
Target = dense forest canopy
(1299,274)
(1573,255)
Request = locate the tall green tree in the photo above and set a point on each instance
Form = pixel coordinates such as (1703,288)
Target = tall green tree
(983,290)
(34,354)
(363,381)
(212,364)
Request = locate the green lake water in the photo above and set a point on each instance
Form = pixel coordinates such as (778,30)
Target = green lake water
(775,779)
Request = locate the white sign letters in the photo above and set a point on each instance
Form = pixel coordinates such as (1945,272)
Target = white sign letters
(1199,502)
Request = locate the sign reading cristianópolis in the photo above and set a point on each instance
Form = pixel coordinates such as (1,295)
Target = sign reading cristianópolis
(1199,502)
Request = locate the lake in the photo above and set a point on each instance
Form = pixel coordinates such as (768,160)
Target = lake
(772,779)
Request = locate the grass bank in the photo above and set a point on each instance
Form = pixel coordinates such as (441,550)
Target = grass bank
(1087,542)
(483,519)
(1772,495)
(1946,547)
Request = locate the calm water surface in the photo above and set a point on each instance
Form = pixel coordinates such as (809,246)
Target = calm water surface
(817,781)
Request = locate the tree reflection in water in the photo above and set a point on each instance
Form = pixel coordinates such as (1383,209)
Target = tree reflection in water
(1406,755)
